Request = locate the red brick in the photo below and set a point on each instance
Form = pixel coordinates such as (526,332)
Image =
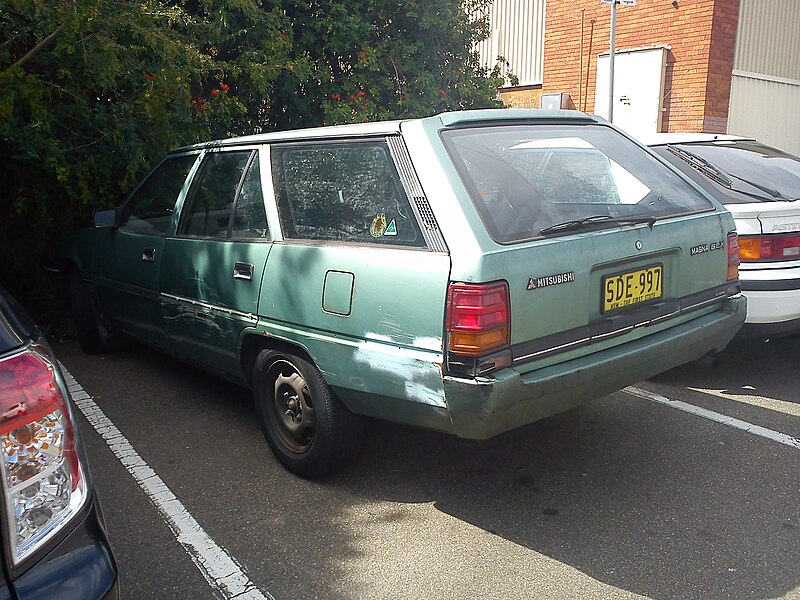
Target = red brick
(702,34)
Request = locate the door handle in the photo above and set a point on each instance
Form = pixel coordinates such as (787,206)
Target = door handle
(149,254)
(243,271)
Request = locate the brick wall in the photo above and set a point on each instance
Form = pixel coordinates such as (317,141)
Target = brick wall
(521,97)
(701,34)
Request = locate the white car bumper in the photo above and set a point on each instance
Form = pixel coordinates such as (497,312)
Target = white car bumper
(773,298)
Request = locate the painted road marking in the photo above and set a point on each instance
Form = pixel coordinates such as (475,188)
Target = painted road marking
(218,567)
(775,436)
(784,406)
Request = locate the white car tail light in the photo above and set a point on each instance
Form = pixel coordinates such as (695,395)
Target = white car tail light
(42,479)
(770,247)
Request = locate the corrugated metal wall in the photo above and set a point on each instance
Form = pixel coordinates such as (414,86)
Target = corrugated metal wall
(517,33)
(767,41)
(765,91)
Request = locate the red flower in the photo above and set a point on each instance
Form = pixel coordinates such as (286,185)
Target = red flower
(199,103)
(362,55)
(440,90)
(224,87)
(353,98)
(336,97)
(362,94)
(214,92)
(150,77)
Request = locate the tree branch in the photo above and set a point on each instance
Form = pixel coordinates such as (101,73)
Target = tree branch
(38,47)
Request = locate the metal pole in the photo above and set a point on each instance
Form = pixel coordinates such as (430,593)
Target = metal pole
(611,62)
(580,73)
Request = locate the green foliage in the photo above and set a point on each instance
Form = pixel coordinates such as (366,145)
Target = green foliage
(92,93)
(382,60)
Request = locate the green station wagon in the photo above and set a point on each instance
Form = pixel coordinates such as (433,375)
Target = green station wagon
(470,272)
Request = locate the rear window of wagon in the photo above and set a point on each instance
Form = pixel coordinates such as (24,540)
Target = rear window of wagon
(524,178)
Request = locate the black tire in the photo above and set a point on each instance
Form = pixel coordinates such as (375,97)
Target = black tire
(307,427)
(93,335)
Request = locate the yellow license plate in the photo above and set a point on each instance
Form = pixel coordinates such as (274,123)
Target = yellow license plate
(632,287)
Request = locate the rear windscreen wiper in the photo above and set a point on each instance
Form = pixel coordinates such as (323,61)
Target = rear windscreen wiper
(722,178)
(702,165)
(588,222)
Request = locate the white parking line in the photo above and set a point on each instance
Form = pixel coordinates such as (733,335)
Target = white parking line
(218,567)
(775,436)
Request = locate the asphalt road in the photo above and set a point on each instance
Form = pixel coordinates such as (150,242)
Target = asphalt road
(622,498)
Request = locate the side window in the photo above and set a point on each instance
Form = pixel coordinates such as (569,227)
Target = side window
(342,192)
(209,204)
(249,217)
(150,208)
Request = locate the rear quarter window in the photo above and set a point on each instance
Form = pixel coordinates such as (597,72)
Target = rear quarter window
(343,191)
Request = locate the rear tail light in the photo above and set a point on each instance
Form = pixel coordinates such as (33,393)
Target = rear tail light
(770,247)
(478,318)
(733,257)
(42,480)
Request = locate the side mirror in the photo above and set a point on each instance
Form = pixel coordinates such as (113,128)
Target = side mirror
(105,218)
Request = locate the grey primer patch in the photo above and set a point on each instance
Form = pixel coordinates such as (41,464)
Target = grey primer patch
(534,283)
(703,248)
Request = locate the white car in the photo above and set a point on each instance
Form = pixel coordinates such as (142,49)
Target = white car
(760,186)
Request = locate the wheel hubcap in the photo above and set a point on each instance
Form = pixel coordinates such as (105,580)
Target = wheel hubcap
(293,412)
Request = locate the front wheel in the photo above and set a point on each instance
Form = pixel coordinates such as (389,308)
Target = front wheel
(308,429)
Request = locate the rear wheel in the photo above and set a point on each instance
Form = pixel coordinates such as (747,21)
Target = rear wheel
(93,335)
(308,429)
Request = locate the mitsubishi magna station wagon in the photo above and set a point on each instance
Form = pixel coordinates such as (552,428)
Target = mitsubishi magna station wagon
(469,273)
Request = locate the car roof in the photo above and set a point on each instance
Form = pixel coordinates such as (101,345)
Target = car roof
(661,139)
(448,119)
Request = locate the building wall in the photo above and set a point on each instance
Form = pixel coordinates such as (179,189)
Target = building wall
(700,35)
(516,34)
(521,97)
(765,92)
(767,41)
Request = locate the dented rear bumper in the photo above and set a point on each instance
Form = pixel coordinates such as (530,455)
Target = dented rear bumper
(484,407)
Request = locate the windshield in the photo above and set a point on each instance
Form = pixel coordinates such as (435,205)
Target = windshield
(525,179)
(757,169)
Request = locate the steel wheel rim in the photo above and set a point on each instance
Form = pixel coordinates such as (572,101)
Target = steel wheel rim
(291,407)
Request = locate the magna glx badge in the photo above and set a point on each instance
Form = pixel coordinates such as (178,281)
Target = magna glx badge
(703,248)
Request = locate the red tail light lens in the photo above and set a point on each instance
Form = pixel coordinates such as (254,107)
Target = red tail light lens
(770,247)
(733,257)
(478,318)
(41,474)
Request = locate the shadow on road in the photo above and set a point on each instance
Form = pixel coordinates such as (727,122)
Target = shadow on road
(631,494)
